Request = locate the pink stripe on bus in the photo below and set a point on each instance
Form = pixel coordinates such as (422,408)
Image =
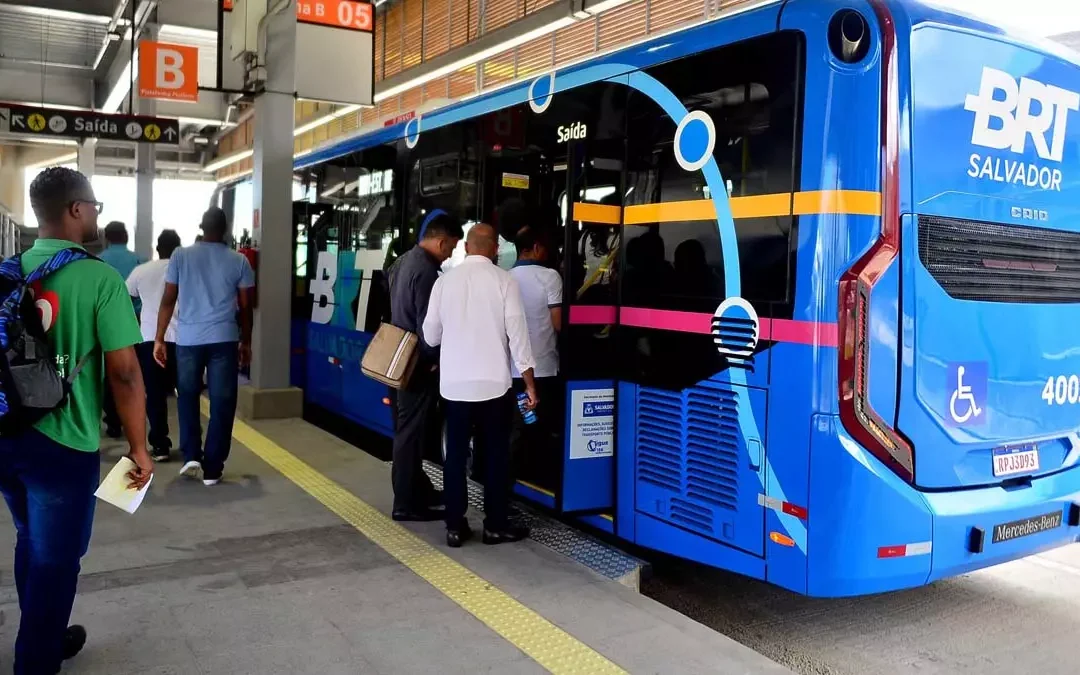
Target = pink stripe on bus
(775,330)
(800,332)
(683,322)
(590,315)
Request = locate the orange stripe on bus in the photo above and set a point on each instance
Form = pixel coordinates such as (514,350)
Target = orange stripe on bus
(850,202)
(670,212)
(597,213)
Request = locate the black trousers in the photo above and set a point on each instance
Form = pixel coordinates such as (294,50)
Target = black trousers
(536,449)
(159,383)
(489,421)
(417,431)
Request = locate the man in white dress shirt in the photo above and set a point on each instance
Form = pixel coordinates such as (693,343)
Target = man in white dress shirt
(147,283)
(536,448)
(476,315)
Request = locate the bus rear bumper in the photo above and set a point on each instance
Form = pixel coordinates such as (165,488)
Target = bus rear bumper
(871,532)
(978,528)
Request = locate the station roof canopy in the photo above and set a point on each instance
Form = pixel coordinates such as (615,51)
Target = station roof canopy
(77,53)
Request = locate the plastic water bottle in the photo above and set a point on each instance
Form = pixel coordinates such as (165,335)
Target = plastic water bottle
(528,415)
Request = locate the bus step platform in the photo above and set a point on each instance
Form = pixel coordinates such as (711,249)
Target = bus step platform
(601,557)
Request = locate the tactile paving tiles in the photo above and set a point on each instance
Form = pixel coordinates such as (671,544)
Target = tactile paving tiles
(601,558)
(550,646)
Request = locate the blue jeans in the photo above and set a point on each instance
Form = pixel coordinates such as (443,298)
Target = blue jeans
(49,489)
(220,361)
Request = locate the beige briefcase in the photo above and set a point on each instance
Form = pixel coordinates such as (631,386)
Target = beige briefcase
(391,356)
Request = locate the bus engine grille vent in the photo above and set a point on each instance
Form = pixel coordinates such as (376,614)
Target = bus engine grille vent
(688,446)
(1001,263)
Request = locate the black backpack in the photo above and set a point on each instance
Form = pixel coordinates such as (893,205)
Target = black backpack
(31,385)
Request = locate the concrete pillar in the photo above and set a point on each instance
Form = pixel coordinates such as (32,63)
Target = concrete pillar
(12,183)
(145,170)
(270,394)
(87,156)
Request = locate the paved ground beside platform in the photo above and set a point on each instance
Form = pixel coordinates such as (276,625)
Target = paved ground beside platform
(259,575)
(1020,617)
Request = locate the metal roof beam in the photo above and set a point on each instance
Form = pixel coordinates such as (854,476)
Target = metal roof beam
(36,63)
(118,66)
(93,11)
(33,86)
(202,16)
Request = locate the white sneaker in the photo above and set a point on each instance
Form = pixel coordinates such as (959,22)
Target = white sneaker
(211,482)
(190,469)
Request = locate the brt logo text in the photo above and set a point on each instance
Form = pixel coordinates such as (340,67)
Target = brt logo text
(1007,112)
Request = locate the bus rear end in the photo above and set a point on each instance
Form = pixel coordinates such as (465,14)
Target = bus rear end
(960,327)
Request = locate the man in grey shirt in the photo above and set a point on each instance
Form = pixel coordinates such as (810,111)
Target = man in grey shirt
(411,278)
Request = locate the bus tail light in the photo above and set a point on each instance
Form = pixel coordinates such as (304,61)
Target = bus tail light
(857,415)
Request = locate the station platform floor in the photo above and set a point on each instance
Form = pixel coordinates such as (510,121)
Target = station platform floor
(291,565)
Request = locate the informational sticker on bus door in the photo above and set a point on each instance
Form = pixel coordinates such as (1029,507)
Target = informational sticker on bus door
(592,423)
(516,181)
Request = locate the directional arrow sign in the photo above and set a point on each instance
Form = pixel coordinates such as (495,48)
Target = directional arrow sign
(78,124)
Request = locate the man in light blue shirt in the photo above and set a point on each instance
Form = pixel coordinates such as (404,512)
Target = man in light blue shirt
(123,260)
(116,253)
(205,285)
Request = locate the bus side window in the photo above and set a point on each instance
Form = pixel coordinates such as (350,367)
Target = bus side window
(677,264)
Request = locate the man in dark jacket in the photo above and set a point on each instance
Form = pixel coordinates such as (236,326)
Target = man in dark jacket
(411,278)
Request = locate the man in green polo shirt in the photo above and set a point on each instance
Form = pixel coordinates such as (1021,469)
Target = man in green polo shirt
(48,475)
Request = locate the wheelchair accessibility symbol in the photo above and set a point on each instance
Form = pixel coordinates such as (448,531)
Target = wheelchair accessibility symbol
(967,387)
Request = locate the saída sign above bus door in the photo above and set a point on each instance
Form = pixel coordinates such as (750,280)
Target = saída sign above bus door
(993,120)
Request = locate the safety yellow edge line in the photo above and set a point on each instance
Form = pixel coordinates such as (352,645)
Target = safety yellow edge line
(547,644)
(539,489)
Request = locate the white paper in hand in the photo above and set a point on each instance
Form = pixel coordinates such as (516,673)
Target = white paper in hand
(114,489)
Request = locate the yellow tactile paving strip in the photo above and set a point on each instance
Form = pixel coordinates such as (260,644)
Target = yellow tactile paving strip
(547,644)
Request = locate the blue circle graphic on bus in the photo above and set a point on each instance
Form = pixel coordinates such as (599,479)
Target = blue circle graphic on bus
(412,132)
(695,139)
(542,93)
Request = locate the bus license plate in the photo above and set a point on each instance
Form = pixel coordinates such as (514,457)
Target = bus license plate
(1009,461)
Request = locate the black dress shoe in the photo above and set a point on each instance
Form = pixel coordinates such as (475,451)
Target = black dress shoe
(74,640)
(424,516)
(455,538)
(506,535)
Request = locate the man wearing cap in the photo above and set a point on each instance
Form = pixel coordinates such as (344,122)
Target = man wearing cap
(412,277)
(122,259)
(204,285)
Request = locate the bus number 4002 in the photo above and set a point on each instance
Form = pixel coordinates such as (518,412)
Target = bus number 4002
(1061,390)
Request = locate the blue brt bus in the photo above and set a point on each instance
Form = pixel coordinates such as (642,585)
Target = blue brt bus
(821,262)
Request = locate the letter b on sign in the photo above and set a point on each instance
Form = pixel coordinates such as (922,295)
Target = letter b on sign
(168,71)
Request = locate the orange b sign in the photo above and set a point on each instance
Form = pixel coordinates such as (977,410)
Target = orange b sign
(169,72)
(349,14)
